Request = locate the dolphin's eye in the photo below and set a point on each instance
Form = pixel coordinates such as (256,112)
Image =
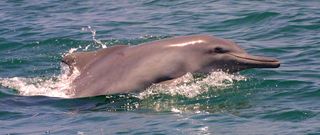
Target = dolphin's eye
(219,50)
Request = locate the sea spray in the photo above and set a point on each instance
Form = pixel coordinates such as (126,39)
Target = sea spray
(55,86)
(60,85)
(190,86)
(93,34)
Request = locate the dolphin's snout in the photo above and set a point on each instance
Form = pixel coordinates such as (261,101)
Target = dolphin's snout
(257,61)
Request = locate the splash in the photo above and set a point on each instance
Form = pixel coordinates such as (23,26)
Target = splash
(56,86)
(191,86)
(60,86)
(96,41)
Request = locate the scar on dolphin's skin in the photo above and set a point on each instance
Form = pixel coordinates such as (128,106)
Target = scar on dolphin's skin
(124,69)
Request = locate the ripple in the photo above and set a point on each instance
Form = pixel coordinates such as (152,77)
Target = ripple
(292,115)
(251,18)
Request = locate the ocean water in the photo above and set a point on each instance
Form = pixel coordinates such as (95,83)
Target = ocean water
(35,34)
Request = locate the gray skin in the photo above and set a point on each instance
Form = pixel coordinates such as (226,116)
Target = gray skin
(124,69)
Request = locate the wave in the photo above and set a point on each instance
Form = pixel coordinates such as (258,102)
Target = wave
(55,86)
(190,85)
(60,85)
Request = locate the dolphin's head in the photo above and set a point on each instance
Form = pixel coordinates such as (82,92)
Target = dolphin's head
(225,55)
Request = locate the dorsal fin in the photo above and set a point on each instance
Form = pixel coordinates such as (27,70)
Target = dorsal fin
(80,60)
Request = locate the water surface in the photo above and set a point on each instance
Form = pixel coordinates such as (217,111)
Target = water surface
(35,34)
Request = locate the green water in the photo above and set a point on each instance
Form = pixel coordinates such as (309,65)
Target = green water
(35,34)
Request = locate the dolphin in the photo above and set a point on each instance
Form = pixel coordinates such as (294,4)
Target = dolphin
(124,69)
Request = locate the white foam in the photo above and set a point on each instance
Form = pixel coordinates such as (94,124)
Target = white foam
(191,87)
(72,50)
(56,86)
(60,85)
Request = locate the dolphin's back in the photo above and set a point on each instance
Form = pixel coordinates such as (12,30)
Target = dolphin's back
(80,60)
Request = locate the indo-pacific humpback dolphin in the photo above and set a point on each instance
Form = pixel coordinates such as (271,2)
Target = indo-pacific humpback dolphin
(123,69)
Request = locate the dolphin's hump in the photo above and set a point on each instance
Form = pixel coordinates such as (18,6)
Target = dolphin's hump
(80,60)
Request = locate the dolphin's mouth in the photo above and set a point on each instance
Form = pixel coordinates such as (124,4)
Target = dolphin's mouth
(250,61)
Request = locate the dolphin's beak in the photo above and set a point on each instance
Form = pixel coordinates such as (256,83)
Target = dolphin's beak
(250,61)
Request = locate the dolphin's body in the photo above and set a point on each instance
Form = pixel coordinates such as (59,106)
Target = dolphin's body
(123,69)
